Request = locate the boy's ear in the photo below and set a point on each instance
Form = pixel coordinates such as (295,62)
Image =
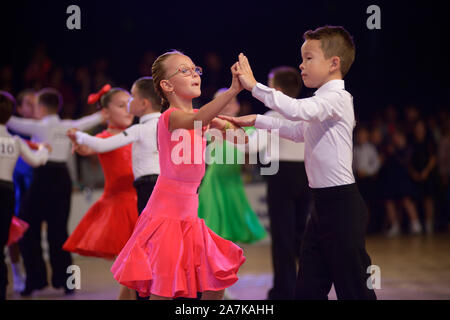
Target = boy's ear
(147,102)
(335,64)
(151,104)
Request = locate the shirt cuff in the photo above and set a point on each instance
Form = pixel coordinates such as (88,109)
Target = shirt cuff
(80,136)
(260,90)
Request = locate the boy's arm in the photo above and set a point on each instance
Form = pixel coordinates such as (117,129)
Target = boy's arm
(105,145)
(308,109)
(28,127)
(288,129)
(315,108)
(34,159)
(87,122)
(292,130)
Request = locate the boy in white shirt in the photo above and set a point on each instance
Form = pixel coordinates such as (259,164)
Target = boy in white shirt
(50,192)
(11,147)
(333,250)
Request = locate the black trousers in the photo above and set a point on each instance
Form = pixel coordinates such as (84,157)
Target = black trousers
(144,187)
(289,200)
(48,200)
(333,249)
(6,214)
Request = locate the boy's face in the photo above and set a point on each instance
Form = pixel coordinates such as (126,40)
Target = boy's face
(40,111)
(136,104)
(315,67)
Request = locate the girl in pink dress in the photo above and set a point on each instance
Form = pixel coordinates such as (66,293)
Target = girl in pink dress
(172,253)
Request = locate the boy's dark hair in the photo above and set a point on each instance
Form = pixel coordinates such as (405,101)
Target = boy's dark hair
(50,98)
(146,88)
(7,105)
(288,79)
(335,41)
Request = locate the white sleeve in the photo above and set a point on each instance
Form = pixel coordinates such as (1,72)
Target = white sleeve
(292,130)
(85,123)
(315,108)
(34,159)
(101,145)
(28,127)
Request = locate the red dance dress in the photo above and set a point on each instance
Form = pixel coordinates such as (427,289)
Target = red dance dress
(172,253)
(109,223)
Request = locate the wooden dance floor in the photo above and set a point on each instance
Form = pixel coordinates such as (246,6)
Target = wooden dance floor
(412,267)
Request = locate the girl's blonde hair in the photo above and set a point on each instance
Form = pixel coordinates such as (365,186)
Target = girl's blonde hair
(159,73)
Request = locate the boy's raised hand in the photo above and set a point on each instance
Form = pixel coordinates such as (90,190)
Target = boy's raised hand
(244,121)
(245,73)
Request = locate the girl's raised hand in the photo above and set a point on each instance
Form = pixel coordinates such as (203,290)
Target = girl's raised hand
(236,84)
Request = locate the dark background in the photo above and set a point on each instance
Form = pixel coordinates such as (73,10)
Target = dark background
(399,78)
(404,62)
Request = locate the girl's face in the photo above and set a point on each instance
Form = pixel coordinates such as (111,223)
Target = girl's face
(136,104)
(181,79)
(116,112)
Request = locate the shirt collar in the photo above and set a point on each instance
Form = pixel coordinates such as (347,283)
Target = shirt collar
(149,116)
(331,85)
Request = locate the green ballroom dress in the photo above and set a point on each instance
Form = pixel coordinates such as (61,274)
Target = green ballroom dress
(222,200)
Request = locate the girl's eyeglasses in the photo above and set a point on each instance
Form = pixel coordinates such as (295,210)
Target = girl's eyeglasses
(187,71)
